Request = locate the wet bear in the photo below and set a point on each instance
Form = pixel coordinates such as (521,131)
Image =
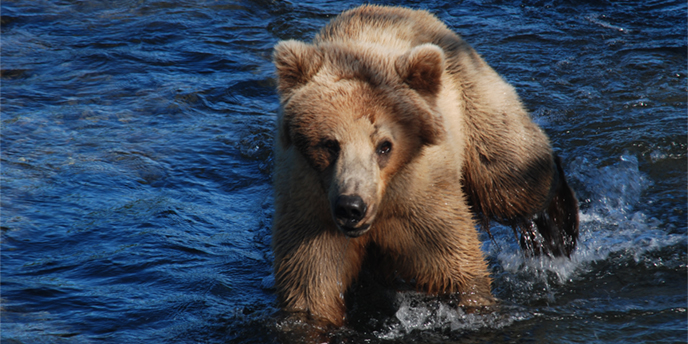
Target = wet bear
(395,140)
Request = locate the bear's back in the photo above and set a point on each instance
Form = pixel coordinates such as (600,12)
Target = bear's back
(388,27)
(396,30)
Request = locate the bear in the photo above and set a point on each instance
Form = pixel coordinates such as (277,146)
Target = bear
(395,143)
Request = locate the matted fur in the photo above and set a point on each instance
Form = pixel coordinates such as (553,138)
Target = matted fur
(390,106)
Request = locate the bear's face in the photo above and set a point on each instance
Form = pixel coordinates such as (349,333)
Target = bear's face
(354,146)
(355,122)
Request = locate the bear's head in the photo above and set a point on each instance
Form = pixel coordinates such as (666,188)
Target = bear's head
(358,116)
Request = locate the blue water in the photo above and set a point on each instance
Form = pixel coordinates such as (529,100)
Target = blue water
(136,160)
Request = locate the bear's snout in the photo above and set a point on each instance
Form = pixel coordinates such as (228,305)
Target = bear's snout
(348,212)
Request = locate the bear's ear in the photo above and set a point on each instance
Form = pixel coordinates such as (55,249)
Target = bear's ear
(296,63)
(422,68)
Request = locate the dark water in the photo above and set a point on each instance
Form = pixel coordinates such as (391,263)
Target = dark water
(136,162)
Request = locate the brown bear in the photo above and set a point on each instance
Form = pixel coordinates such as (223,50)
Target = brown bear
(395,140)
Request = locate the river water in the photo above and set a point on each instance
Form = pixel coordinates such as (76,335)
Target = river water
(136,162)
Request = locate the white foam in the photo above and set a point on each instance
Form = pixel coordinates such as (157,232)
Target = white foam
(417,312)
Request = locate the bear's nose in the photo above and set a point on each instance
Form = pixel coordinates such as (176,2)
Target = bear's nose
(349,210)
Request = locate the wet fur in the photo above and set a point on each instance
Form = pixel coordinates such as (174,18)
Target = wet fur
(464,149)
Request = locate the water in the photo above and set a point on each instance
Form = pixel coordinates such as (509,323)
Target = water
(136,162)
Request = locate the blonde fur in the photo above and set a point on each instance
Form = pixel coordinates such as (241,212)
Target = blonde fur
(462,147)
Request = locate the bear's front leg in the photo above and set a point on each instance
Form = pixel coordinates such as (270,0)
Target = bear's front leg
(313,270)
(440,252)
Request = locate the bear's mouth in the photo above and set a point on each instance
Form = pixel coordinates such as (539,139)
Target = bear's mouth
(354,232)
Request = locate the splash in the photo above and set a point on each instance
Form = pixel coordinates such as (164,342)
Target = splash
(609,225)
(418,312)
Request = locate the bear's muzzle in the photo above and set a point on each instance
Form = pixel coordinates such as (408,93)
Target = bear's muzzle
(349,210)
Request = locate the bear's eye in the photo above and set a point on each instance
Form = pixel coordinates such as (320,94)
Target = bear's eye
(384,148)
(332,147)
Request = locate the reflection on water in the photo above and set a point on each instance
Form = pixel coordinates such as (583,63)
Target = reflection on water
(136,160)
